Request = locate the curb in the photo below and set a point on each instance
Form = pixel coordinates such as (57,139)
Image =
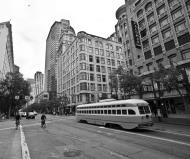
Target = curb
(24,147)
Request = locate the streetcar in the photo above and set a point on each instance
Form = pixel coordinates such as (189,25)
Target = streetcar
(129,114)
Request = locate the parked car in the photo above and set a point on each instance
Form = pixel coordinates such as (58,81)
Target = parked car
(30,115)
(35,113)
(22,114)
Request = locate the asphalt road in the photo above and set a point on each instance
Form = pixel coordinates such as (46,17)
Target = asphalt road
(64,138)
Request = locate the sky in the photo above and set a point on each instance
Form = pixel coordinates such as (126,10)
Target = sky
(32,19)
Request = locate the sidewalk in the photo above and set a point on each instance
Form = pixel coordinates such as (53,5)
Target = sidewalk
(178,119)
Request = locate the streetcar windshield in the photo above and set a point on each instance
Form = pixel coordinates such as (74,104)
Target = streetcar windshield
(144,109)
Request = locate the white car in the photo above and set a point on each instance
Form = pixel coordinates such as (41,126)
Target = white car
(22,114)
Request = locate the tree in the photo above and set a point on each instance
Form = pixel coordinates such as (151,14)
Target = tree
(114,83)
(13,85)
(176,79)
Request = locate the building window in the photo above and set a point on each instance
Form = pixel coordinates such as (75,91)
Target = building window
(109,70)
(177,14)
(166,34)
(163,22)
(113,62)
(107,53)
(82,66)
(103,78)
(99,87)
(97,59)
(104,87)
(112,54)
(180,27)
(188,5)
(96,44)
(150,18)
(101,52)
(97,68)
(145,44)
(111,47)
(81,48)
(107,46)
(83,86)
(89,41)
(82,57)
(147,55)
(173,2)
(99,78)
(155,40)
(153,28)
(103,69)
(91,77)
(142,23)
(148,7)
(169,45)
(102,60)
(140,13)
(90,49)
(183,39)
(92,87)
(157,50)
(97,51)
(108,61)
(91,67)
(161,10)
(143,33)
(90,58)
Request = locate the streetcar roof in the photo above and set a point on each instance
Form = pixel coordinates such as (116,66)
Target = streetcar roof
(131,102)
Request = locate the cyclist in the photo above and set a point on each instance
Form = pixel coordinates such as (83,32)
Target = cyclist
(17,118)
(43,120)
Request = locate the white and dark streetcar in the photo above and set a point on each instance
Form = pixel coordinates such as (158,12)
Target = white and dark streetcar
(129,114)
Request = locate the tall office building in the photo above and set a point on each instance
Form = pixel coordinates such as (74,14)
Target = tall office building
(84,68)
(39,82)
(55,38)
(153,32)
(6,49)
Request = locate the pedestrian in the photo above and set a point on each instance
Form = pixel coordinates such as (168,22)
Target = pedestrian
(17,119)
(159,115)
(43,120)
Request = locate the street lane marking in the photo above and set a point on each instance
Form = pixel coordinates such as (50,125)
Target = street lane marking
(7,128)
(24,147)
(175,133)
(153,137)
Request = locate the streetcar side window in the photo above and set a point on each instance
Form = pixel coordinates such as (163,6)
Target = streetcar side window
(109,111)
(131,112)
(102,112)
(118,111)
(124,111)
(105,111)
(113,111)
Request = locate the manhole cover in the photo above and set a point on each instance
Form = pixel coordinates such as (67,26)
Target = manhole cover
(72,153)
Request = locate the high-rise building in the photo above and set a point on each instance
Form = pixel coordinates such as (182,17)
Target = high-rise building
(6,49)
(59,37)
(39,82)
(154,32)
(84,68)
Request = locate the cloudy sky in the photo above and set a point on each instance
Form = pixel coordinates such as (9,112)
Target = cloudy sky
(31,21)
